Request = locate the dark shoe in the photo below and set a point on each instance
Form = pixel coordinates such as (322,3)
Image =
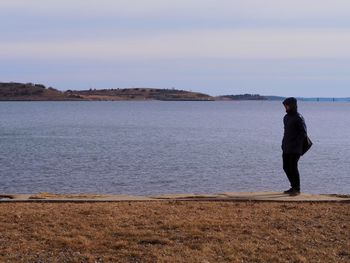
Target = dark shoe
(288,191)
(294,192)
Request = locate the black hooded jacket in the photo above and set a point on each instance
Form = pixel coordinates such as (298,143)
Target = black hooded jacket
(294,129)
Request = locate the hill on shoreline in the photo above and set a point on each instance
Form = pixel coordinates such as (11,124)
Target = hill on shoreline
(140,94)
(14,91)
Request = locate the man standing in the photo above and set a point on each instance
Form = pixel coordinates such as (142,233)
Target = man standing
(292,144)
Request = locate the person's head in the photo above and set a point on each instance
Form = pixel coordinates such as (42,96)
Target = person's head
(291,104)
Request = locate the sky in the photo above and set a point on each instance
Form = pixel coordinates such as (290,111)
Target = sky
(218,47)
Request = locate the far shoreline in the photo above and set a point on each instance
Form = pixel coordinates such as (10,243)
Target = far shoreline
(14,91)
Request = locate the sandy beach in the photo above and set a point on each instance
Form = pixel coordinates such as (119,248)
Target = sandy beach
(175,230)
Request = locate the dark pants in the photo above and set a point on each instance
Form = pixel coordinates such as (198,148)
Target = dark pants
(290,167)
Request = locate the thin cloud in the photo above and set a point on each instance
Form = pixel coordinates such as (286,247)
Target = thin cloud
(243,44)
(242,8)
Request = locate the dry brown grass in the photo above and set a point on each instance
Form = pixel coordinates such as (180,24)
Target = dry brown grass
(174,231)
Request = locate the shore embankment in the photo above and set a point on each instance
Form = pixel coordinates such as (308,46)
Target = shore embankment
(229,196)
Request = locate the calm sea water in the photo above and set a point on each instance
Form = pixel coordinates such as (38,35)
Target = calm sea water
(166,147)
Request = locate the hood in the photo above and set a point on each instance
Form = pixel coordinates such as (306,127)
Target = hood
(292,103)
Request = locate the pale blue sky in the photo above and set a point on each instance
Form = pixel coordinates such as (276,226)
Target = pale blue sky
(271,47)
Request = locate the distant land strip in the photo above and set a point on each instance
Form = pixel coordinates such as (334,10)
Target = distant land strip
(14,91)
